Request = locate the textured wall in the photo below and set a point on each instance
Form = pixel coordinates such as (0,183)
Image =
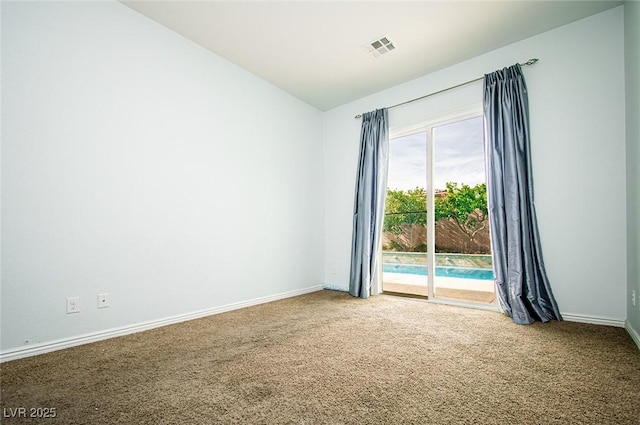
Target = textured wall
(632,74)
(138,164)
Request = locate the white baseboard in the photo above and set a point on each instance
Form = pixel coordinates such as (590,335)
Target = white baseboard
(594,320)
(61,344)
(635,335)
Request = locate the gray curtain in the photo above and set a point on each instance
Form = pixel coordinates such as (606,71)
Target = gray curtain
(522,285)
(368,209)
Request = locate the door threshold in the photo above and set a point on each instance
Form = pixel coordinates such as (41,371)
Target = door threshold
(405,295)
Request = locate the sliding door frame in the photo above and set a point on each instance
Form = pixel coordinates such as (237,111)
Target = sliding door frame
(428,126)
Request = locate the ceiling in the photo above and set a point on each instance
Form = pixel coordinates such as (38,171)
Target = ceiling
(314,49)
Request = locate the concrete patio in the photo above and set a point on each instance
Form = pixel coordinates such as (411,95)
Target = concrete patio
(461,289)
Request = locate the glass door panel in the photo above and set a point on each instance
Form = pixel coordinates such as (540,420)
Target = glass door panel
(404,237)
(463,268)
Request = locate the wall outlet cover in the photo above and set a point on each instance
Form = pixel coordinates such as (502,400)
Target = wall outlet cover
(73,305)
(103,300)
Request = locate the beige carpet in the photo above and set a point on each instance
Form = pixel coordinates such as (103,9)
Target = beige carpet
(328,358)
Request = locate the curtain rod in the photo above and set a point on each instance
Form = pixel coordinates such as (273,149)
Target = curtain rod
(529,62)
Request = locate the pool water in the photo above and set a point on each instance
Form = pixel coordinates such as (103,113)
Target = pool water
(458,272)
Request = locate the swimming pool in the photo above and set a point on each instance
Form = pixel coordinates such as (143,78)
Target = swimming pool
(458,272)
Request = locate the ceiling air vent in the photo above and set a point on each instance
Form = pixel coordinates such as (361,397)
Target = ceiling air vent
(379,46)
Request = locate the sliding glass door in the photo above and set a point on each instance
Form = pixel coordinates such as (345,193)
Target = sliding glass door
(436,213)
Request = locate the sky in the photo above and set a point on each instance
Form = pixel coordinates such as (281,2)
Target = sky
(458,156)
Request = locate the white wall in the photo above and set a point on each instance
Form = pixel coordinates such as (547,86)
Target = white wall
(632,81)
(136,163)
(578,153)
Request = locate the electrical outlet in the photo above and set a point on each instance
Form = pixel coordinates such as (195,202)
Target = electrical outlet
(103,300)
(73,305)
(633,297)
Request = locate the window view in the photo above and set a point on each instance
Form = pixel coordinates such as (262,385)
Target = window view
(454,238)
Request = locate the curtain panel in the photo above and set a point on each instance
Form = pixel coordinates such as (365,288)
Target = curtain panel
(368,209)
(522,286)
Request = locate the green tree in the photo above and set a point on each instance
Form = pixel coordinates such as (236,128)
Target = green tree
(466,206)
(404,208)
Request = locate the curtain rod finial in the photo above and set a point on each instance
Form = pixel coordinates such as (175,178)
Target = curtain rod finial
(531,61)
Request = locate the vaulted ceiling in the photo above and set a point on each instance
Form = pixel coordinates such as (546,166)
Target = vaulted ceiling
(314,49)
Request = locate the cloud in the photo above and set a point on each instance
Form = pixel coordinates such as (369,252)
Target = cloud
(458,156)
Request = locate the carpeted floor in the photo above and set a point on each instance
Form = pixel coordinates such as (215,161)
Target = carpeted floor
(328,358)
